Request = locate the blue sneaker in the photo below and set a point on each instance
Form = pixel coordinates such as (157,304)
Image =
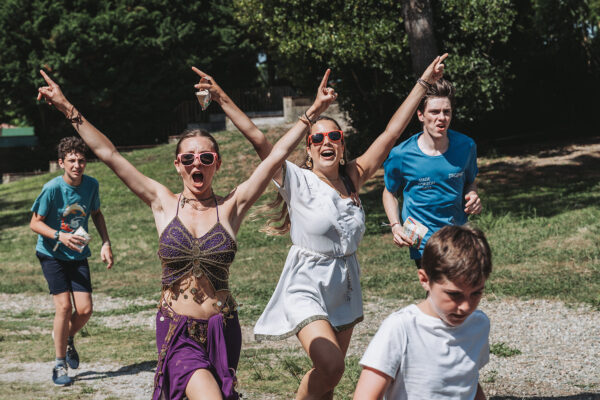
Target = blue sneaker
(60,376)
(72,356)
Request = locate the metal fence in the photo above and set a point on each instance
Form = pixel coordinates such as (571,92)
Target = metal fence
(255,100)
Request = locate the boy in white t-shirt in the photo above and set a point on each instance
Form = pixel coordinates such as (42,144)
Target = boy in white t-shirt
(434,350)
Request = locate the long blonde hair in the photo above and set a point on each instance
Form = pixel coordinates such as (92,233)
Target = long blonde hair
(282,215)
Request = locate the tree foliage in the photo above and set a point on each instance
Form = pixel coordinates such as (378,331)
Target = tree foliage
(124,63)
(555,52)
(502,53)
(365,43)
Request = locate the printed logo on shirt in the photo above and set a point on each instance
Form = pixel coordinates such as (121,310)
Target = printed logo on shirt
(426,183)
(72,217)
(455,175)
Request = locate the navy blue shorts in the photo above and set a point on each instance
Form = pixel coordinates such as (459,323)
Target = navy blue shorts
(66,276)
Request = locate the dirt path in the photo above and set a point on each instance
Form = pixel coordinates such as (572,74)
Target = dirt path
(559,350)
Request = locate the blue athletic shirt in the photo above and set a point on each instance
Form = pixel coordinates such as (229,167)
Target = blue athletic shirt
(432,186)
(66,208)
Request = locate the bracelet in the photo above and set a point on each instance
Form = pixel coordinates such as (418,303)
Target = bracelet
(309,120)
(424,83)
(395,223)
(107,243)
(305,120)
(77,119)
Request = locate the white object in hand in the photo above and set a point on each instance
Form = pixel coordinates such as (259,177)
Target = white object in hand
(203,98)
(415,231)
(86,236)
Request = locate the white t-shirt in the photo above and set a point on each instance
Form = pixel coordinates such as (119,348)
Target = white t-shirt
(427,358)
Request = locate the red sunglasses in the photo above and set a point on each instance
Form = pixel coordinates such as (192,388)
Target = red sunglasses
(206,158)
(317,138)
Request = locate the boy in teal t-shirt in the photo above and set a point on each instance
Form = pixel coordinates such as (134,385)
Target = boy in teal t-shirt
(435,170)
(64,206)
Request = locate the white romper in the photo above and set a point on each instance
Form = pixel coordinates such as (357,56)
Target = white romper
(320,279)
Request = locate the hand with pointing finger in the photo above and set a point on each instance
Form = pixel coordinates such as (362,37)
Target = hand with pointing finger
(435,70)
(53,95)
(208,83)
(325,95)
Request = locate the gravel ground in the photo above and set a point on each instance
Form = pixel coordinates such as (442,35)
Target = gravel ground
(559,349)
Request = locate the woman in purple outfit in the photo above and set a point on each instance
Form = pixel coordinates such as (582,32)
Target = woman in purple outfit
(198,334)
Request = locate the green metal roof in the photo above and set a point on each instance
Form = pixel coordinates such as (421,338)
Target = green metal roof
(23,131)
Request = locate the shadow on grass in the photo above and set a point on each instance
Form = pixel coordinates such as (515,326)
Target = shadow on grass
(14,213)
(582,396)
(525,188)
(133,369)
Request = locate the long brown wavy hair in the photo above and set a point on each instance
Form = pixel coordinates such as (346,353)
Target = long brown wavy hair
(282,215)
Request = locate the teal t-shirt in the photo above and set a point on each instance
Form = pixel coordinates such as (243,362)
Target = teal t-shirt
(432,186)
(66,208)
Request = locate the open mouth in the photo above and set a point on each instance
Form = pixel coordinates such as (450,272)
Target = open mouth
(198,177)
(328,154)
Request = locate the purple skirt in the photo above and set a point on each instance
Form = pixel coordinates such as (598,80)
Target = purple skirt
(186,344)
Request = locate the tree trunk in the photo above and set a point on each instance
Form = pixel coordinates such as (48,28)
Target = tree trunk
(418,22)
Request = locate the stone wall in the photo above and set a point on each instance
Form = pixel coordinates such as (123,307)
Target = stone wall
(293,107)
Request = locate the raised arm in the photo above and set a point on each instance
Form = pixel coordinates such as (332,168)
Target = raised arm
(366,165)
(250,190)
(238,117)
(144,187)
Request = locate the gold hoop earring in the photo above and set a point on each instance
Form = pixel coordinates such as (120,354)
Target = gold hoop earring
(309,162)
(342,161)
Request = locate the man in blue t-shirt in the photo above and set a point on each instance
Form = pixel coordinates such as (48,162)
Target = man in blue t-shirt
(64,206)
(436,171)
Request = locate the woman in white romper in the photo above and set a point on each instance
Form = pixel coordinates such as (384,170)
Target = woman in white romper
(318,297)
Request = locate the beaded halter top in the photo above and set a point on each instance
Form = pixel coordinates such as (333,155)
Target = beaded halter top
(183,255)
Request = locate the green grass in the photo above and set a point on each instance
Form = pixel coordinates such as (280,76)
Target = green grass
(279,373)
(501,349)
(125,345)
(543,224)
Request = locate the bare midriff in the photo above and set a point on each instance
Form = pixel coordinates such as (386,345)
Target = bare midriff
(201,303)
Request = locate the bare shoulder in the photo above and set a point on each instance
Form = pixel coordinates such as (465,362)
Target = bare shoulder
(355,171)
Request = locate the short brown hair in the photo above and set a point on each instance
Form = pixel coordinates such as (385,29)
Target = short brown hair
(441,88)
(457,253)
(71,144)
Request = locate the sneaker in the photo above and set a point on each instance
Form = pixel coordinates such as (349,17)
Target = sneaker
(72,356)
(60,377)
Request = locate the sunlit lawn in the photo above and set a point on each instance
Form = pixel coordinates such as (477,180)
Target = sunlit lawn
(543,224)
